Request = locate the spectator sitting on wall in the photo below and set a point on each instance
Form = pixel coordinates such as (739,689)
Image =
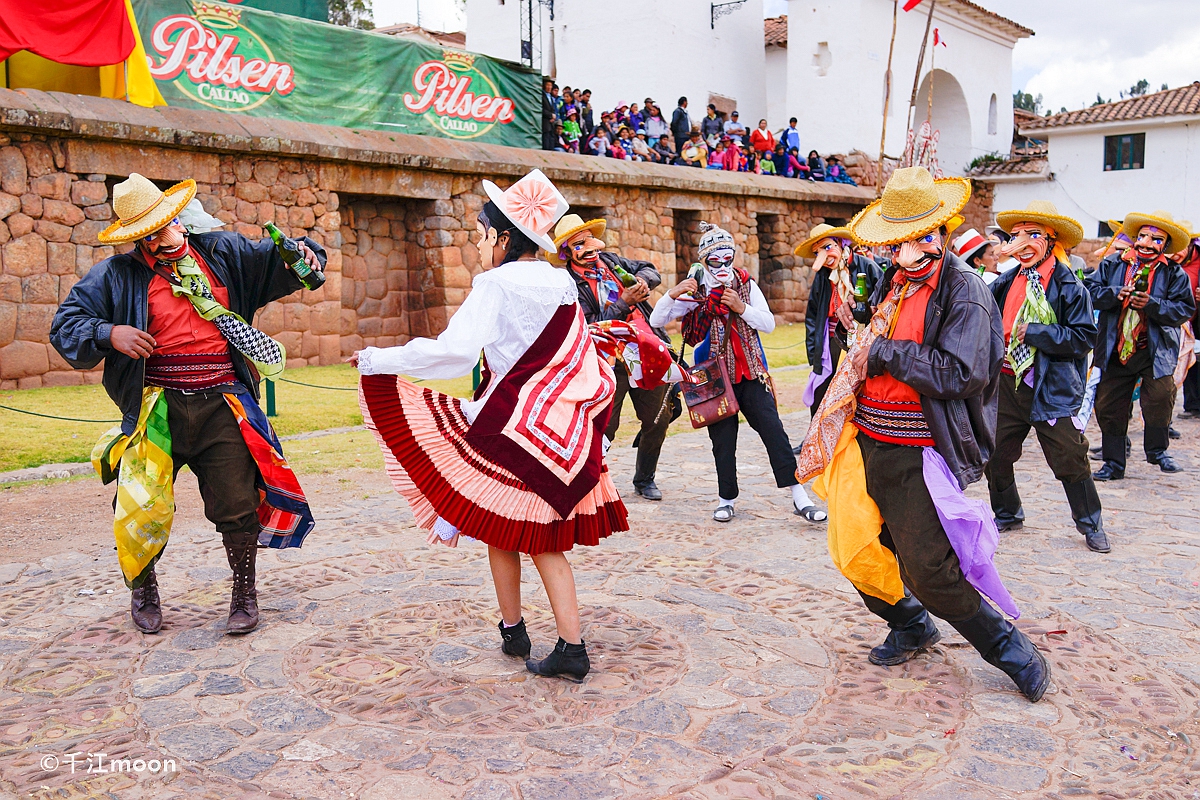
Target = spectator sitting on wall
(816,166)
(571,132)
(641,148)
(618,147)
(711,126)
(716,159)
(762,140)
(681,124)
(780,161)
(798,167)
(836,173)
(599,143)
(734,129)
(789,136)
(664,149)
(636,119)
(695,151)
(766,162)
(560,142)
(656,126)
(625,139)
(621,113)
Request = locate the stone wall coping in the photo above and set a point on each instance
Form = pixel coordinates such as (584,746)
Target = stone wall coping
(32,111)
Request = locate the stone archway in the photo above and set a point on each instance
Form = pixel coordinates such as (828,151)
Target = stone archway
(950,116)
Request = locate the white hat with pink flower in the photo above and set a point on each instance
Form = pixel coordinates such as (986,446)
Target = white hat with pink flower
(533,204)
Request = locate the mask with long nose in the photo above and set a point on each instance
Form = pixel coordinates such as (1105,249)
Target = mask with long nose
(582,250)
(1030,244)
(918,257)
(166,244)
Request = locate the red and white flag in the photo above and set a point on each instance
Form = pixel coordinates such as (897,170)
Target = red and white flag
(937,38)
(909,5)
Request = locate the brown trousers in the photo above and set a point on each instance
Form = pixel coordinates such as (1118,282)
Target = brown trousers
(1065,448)
(929,566)
(205,436)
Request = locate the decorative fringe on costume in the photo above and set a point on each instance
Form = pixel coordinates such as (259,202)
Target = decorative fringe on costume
(423,435)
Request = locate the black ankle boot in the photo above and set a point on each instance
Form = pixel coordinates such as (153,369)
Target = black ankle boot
(1006,505)
(912,630)
(569,661)
(1007,649)
(1085,510)
(516,640)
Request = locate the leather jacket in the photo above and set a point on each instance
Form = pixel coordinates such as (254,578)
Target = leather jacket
(618,309)
(819,296)
(955,368)
(1170,305)
(1060,357)
(116,292)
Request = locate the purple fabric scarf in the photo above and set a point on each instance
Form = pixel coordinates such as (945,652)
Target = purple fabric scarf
(971,529)
(815,378)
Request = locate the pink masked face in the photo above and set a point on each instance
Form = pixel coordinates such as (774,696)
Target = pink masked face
(166,244)
(1150,243)
(827,253)
(1030,243)
(916,253)
(719,265)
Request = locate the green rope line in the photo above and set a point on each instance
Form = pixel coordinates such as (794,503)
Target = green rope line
(52,416)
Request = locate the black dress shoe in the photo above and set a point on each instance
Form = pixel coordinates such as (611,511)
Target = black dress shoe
(907,643)
(568,661)
(516,640)
(1109,472)
(1167,464)
(1172,433)
(1186,414)
(1097,541)
(647,490)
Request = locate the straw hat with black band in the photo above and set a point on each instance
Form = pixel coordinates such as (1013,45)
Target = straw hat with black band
(912,205)
(567,227)
(807,248)
(1162,220)
(142,208)
(1067,230)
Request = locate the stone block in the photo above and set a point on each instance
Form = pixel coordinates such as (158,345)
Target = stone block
(435,238)
(329,348)
(102,211)
(25,255)
(376,289)
(376,264)
(56,186)
(295,317)
(456,277)
(351,344)
(305,196)
(33,320)
(252,192)
(370,326)
(300,217)
(249,231)
(290,341)
(282,194)
(325,318)
(5,236)
(65,284)
(9,204)
(8,322)
(52,231)
(31,205)
(10,288)
(42,288)
(267,213)
(88,193)
(39,159)
(330,220)
(33,382)
(246,212)
(62,212)
(13,174)
(86,232)
(22,359)
(310,345)
(63,378)
(266,172)
(270,319)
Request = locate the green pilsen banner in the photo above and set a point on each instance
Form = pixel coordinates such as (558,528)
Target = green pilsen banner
(309,9)
(210,55)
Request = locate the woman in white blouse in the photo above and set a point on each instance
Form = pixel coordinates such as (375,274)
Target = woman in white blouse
(520,467)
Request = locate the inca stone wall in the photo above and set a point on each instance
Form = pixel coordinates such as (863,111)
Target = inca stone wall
(396,214)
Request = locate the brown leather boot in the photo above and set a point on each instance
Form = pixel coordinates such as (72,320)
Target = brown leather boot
(242,549)
(144,606)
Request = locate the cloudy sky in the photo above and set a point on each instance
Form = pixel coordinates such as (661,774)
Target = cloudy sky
(1082,46)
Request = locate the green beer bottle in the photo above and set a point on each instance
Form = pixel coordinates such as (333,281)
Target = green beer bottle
(289,251)
(1142,282)
(623,275)
(862,309)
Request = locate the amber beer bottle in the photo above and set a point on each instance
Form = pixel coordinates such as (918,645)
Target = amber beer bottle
(289,251)
(1142,282)
(862,309)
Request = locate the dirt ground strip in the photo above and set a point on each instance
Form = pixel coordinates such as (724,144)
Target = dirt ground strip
(729,661)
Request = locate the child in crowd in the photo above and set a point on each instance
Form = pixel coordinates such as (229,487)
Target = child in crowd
(571,132)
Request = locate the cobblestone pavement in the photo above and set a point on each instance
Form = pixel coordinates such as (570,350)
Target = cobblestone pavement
(728,661)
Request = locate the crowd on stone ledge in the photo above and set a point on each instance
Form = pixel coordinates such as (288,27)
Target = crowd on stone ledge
(642,133)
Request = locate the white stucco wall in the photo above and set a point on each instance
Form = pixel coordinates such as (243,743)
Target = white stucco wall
(630,49)
(855,34)
(1082,189)
(776,87)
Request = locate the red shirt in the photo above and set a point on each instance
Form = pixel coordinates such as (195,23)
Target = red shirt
(1016,294)
(174,323)
(909,327)
(762,141)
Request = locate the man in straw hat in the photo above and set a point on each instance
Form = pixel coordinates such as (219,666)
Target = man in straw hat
(908,422)
(1189,260)
(580,249)
(1138,338)
(169,319)
(1049,329)
(835,272)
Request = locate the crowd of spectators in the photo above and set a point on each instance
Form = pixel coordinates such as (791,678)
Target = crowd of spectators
(642,133)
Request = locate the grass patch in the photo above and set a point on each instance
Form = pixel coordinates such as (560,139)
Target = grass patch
(28,441)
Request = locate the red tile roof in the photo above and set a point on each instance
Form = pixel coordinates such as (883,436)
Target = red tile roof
(1172,102)
(444,38)
(1013,166)
(775,31)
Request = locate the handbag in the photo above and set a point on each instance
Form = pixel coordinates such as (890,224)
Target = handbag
(708,393)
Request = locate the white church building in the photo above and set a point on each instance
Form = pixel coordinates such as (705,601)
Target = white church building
(824,62)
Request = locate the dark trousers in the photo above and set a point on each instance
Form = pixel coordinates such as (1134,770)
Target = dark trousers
(1191,389)
(205,436)
(653,412)
(1114,397)
(835,358)
(758,406)
(1065,448)
(929,566)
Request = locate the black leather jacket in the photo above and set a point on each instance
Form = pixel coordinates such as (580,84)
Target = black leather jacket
(1170,305)
(1060,358)
(618,309)
(819,296)
(116,292)
(955,369)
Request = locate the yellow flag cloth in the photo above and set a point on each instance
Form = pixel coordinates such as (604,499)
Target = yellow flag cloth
(142,464)
(855,523)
